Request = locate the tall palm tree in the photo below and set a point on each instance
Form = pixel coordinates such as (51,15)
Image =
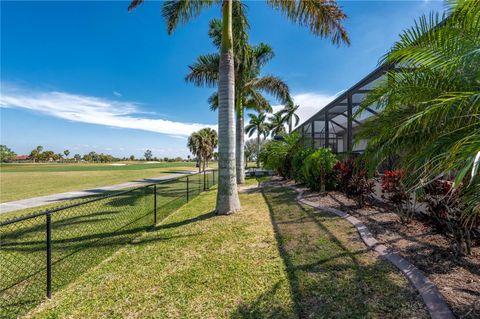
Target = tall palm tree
(257,125)
(430,107)
(249,86)
(323,17)
(202,144)
(289,113)
(277,124)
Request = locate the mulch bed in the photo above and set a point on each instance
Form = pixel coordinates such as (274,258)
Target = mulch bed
(457,278)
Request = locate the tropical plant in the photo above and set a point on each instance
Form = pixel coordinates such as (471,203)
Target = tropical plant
(277,155)
(429,103)
(317,167)
(77,157)
(202,144)
(257,124)
(322,17)
(360,187)
(445,206)
(6,154)
(277,124)
(249,85)
(343,171)
(289,113)
(395,193)
(297,163)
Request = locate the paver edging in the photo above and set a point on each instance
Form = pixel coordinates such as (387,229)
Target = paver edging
(436,305)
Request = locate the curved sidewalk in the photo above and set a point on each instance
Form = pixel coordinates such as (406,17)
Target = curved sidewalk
(55,198)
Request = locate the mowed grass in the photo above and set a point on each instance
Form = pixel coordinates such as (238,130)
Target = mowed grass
(20,181)
(331,272)
(274,259)
(193,265)
(82,237)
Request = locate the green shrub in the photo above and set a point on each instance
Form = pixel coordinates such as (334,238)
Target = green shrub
(277,155)
(272,156)
(297,164)
(317,168)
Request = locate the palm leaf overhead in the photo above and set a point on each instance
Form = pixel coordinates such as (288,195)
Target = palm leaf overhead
(204,72)
(323,17)
(430,106)
(271,85)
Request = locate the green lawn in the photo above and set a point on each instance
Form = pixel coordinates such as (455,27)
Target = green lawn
(275,259)
(331,272)
(20,181)
(82,237)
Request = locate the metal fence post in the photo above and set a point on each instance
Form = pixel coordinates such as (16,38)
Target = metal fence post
(49,254)
(188,190)
(154,204)
(204,182)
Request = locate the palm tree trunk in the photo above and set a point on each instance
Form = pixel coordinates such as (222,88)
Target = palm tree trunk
(240,147)
(258,149)
(290,126)
(204,163)
(227,195)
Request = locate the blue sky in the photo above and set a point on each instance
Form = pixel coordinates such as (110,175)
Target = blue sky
(91,76)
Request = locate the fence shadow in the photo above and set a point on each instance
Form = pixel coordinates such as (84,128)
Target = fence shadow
(83,234)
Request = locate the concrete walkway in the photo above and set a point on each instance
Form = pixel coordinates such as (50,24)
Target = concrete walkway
(55,198)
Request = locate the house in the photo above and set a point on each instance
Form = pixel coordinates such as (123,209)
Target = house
(336,121)
(22,158)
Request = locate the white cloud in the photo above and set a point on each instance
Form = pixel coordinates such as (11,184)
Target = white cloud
(117,93)
(93,110)
(310,103)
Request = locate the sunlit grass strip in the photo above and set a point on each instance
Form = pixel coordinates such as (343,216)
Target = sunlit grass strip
(193,265)
(83,236)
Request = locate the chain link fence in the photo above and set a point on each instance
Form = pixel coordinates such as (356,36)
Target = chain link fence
(41,253)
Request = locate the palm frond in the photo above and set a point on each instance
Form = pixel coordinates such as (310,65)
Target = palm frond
(205,71)
(271,85)
(213,101)
(178,12)
(323,17)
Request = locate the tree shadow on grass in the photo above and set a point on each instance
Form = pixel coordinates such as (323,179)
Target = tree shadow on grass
(329,279)
(264,306)
(185,222)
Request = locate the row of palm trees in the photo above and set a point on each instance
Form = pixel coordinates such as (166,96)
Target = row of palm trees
(274,126)
(236,70)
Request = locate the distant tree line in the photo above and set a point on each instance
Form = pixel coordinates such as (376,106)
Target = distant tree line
(38,154)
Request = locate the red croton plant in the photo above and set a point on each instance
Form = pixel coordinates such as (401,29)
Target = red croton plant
(352,179)
(446,208)
(395,193)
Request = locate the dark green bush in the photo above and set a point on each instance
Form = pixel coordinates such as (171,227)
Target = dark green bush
(297,164)
(277,155)
(317,169)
